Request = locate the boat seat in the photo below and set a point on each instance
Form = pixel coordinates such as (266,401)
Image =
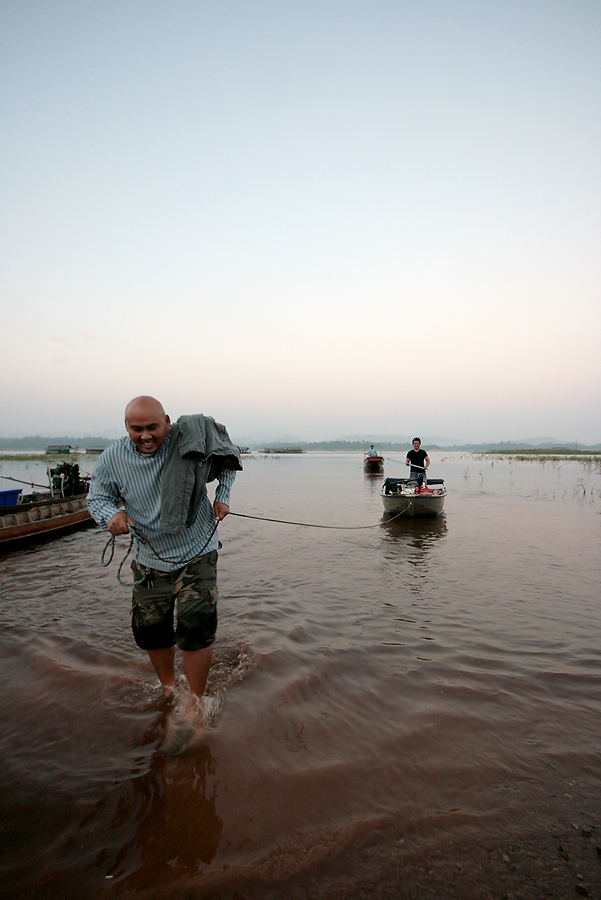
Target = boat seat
(393,485)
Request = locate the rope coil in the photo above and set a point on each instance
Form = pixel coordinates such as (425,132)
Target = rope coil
(140,538)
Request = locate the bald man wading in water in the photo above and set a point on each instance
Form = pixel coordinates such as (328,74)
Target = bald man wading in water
(155,479)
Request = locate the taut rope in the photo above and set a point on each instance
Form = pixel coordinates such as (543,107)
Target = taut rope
(141,538)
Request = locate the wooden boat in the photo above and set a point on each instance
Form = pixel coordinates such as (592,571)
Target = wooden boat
(60,509)
(403,496)
(374,465)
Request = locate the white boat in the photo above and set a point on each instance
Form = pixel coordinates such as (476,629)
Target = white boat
(404,496)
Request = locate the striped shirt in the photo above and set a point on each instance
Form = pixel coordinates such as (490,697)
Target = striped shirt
(122,475)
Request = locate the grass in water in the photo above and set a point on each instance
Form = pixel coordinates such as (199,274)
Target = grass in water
(558,454)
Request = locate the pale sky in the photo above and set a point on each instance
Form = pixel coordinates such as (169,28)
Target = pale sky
(318,218)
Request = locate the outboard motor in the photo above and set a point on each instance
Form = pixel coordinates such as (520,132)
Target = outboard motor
(65,480)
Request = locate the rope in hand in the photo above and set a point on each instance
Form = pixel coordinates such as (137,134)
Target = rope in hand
(140,538)
(136,534)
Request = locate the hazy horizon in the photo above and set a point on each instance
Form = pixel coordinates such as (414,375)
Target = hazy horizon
(316,218)
(275,438)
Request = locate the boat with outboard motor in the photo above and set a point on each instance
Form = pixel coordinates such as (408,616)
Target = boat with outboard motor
(413,497)
(31,517)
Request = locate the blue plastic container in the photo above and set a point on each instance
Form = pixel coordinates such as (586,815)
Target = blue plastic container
(9,498)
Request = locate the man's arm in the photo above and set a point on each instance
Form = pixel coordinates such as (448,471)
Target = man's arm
(104,499)
(221,504)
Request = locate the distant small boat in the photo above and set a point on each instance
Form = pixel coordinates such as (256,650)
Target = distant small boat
(374,465)
(60,449)
(33,517)
(283,450)
(403,496)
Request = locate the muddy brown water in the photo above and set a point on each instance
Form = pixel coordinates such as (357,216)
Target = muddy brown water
(410,709)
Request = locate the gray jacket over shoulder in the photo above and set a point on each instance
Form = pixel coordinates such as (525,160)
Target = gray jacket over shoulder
(199,450)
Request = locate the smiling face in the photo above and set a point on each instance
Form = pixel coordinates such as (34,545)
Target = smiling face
(146,424)
(416,444)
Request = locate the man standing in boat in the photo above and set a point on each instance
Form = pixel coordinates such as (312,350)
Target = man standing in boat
(154,480)
(418,460)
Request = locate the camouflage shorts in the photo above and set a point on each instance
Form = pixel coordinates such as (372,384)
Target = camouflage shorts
(190,594)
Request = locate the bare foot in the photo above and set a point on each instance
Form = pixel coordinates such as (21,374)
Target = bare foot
(180,736)
(183,735)
(185,727)
(193,709)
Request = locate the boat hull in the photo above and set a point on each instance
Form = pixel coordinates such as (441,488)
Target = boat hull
(29,522)
(373,464)
(401,497)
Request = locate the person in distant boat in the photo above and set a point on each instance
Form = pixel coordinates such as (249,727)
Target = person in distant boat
(154,479)
(372,451)
(418,459)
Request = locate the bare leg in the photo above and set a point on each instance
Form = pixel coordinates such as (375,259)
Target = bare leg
(196,666)
(185,730)
(163,662)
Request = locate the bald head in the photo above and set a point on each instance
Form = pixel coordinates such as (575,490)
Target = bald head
(143,405)
(146,423)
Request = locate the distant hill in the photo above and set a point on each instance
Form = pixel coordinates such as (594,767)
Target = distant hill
(403,442)
(403,446)
(37,442)
(528,444)
(350,442)
(404,439)
(447,443)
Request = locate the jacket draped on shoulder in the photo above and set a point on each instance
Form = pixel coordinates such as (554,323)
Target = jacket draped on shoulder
(199,450)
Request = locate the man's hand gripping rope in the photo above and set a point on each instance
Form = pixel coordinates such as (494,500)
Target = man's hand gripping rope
(140,538)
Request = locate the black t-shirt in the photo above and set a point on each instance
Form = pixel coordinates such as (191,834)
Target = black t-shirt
(417,458)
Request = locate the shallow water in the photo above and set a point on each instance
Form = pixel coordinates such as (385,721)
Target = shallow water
(402,709)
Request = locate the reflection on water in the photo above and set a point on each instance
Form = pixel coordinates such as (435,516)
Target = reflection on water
(419,533)
(373,482)
(164,822)
(399,708)
(411,540)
